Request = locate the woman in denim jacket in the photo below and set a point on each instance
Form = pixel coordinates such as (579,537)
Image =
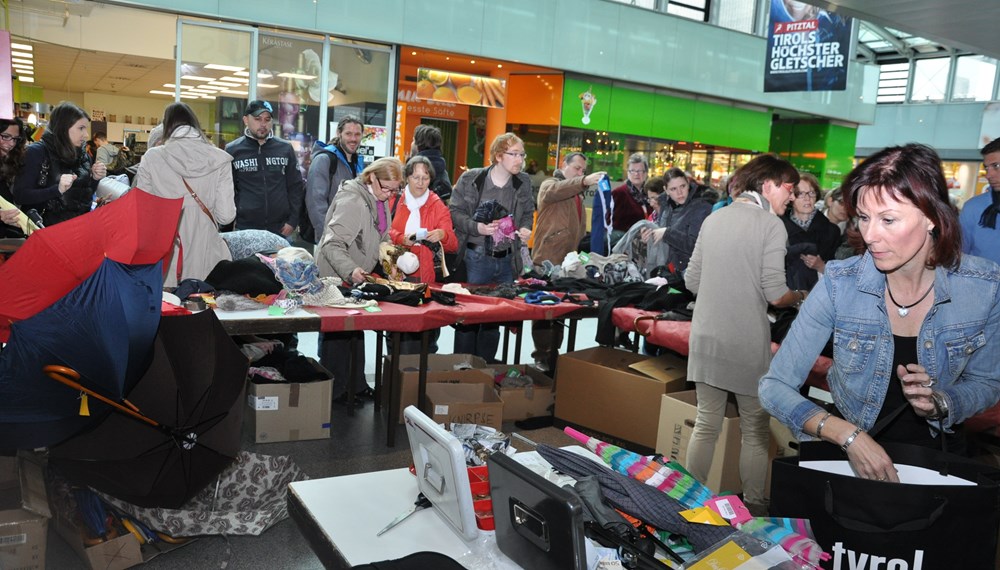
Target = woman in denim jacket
(914,322)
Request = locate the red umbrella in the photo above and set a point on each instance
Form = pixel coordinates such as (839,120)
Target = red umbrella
(137,229)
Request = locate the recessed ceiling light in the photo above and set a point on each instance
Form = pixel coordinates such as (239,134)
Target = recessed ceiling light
(27,70)
(242,73)
(267,86)
(161,92)
(26,79)
(24,54)
(499,65)
(224,67)
(472,61)
(236,79)
(197,78)
(297,76)
(24,61)
(231,92)
(171,85)
(413,53)
(225,84)
(22,47)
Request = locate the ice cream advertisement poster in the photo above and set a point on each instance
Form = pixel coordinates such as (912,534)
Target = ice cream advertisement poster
(808,48)
(586,104)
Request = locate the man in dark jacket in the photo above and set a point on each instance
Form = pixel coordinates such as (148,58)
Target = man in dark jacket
(269,189)
(332,164)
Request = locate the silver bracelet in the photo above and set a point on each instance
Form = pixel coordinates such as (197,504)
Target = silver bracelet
(850,439)
(822,422)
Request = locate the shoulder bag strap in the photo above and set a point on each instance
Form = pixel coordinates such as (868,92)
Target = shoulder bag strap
(198,200)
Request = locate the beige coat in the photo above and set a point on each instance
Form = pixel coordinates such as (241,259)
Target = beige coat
(350,235)
(162,172)
(561,220)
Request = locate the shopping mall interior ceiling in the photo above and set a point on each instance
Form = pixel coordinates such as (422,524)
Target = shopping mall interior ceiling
(87,71)
(472,65)
(963,24)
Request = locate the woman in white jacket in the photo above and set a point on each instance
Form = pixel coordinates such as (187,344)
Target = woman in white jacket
(188,166)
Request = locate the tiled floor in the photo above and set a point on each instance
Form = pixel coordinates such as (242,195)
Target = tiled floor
(357,445)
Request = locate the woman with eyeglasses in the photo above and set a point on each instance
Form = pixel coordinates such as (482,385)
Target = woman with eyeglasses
(357,222)
(11,161)
(421,220)
(812,238)
(58,178)
(736,271)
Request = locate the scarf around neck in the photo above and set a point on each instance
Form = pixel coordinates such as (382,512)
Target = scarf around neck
(413,204)
(989,217)
(803,224)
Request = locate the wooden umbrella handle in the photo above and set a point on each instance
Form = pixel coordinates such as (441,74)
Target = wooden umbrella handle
(70,377)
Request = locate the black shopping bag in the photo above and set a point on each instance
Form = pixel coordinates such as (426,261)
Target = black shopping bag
(867,524)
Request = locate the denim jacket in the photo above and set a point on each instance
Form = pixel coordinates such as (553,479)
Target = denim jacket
(957,343)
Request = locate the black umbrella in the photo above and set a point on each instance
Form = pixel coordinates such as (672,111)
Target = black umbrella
(642,501)
(179,427)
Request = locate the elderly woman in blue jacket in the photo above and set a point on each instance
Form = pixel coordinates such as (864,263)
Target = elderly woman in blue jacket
(914,322)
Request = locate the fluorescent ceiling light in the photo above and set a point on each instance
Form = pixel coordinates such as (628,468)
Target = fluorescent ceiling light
(171,85)
(25,79)
(262,75)
(22,47)
(224,67)
(266,86)
(197,78)
(160,92)
(208,96)
(25,70)
(242,73)
(296,76)
(236,79)
(189,97)
(230,92)
(225,84)
(24,54)
(24,61)
(211,88)
(201,91)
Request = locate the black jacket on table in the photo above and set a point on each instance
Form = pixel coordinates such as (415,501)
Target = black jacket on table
(268,185)
(37,186)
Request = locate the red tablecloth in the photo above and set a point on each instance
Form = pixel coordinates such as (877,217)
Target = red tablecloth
(675,335)
(469,310)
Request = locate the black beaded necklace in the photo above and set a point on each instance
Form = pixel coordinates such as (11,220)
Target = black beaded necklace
(904,310)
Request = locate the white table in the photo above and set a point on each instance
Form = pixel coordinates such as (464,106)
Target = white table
(339,516)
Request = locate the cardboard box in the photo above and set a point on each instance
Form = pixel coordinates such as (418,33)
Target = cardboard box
(116,552)
(290,412)
(529,401)
(598,388)
(440,368)
(24,514)
(464,403)
(677,414)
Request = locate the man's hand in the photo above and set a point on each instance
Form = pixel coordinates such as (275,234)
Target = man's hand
(487,229)
(358,275)
(593,178)
(524,234)
(286,230)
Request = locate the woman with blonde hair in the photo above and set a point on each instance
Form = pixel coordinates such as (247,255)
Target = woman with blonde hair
(189,167)
(357,222)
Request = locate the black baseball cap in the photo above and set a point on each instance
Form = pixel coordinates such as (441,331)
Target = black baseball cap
(256,107)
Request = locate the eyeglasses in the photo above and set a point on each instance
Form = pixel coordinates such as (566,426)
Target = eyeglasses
(988,167)
(387,186)
(635,171)
(806,194)
(516,154)
(7,138)
(420,178)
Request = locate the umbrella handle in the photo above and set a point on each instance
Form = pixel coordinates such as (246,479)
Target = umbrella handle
(70,377)
(639,319)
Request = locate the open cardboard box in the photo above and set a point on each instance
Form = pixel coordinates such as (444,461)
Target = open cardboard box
(24,513)
(290,411)
(452,368)
(616,392)
(465,404)
(528,401)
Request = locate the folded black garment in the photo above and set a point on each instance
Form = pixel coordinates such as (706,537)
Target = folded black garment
(247,276)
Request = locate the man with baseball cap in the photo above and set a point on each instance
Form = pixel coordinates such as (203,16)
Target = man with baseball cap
(269,188)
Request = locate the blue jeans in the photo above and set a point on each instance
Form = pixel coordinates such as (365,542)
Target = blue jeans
(483,340)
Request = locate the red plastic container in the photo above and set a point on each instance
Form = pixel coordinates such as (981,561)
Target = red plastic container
(482,504)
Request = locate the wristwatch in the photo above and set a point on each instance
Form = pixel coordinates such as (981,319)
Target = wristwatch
(940,406)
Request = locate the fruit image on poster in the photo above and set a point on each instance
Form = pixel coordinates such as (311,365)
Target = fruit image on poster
(450,87)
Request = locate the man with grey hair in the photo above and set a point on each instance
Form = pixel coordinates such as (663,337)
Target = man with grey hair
(625,206)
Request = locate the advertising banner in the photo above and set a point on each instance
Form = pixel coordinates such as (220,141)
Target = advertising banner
(808,48)
(450,87)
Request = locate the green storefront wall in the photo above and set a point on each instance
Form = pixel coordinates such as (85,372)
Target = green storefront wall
(820,147)
(650,114)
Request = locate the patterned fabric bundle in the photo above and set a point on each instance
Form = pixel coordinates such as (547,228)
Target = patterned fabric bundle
(793,535)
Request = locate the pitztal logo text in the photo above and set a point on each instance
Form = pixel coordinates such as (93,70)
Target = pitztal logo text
(862,561)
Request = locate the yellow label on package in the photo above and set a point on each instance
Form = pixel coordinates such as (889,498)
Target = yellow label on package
(704,515)
(729,555)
